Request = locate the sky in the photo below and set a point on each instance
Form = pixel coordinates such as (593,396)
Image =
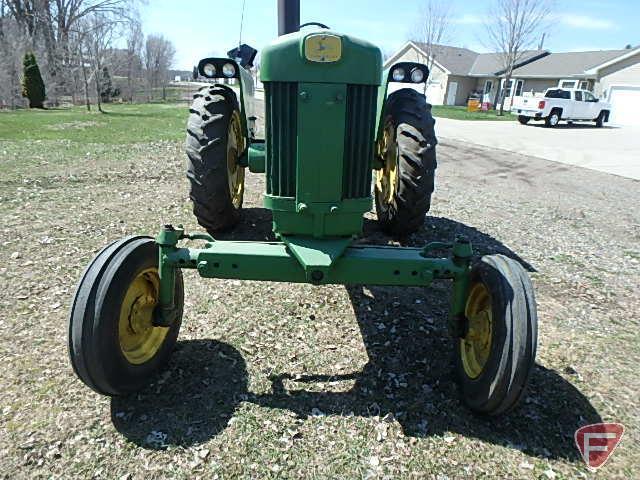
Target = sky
(201,28)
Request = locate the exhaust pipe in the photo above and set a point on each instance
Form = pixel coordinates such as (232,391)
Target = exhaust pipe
(288,16)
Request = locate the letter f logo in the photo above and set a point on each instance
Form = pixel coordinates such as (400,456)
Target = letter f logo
(597,442)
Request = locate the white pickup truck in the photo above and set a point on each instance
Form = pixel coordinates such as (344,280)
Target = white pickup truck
(561,104)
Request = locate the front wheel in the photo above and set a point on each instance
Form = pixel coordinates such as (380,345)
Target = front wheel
(600,119)
(497,353)
(114,347)
(523,119)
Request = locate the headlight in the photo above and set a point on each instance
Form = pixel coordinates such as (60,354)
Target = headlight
(398,74)
(417,75)
(209,70)
(228,70)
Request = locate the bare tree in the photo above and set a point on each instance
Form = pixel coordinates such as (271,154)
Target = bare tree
(433,26)
(13,41)
(97,34)
(135,39)
(513,28)
(49,25)
(159,54)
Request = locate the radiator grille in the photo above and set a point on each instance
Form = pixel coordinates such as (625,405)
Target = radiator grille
(281,133)
(281,100)
(358,140)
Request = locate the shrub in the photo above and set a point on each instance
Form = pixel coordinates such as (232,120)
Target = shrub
(32,83)
(107,90)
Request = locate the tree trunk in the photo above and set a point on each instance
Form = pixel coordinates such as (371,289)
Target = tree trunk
(54,63)
(507,81)
(129,81)
(97,84)
(86,82)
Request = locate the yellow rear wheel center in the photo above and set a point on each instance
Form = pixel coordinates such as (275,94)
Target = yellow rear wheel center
(387,177)
(475,347)
(235,173)
(139,339)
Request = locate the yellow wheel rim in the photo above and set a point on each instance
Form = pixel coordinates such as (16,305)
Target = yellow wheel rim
(387,177)
(476,345)
(139,339)
(235,173)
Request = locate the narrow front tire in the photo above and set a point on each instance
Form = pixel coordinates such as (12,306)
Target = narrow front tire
(113,345)
(497,353)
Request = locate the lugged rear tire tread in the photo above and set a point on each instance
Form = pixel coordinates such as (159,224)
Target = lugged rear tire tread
(206,145)
(411,116)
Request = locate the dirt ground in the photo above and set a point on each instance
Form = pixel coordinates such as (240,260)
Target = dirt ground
(294,381)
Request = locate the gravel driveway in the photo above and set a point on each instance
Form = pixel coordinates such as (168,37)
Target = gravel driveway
(609,149)
(294,381)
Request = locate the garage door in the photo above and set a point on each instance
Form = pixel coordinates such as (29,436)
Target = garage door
(625,105)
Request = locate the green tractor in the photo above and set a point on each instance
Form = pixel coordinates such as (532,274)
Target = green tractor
(333,134)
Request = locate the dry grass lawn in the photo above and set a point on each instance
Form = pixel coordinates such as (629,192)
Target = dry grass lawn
(294,381)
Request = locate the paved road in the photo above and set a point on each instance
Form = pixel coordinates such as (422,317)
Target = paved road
(609,149)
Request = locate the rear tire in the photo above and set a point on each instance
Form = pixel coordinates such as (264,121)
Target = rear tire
(553,119)
(408,150)
(497,354)
(212,130)
(117,292)
(523,119)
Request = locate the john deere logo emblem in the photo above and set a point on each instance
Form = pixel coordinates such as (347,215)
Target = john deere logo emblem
(322,48)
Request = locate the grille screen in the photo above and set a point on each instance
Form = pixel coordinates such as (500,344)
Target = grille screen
(358,140)
(281,132)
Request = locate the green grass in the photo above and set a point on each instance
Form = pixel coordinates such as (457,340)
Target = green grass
(461,113)
(65,141)
(121,124)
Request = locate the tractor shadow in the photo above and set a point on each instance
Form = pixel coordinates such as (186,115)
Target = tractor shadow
(408,378)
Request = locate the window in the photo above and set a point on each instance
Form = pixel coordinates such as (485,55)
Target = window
(558,93)
(568,83)
(584,85)
(488,85)
(588,97)
(579,96)
(519,85)
(506,89)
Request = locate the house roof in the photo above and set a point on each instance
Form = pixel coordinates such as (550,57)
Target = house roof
(462,61)
(533,63)
(456,60)
(490,64)
(629,52)
(568,64)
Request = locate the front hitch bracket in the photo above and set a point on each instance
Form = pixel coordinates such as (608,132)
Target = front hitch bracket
(165,312)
